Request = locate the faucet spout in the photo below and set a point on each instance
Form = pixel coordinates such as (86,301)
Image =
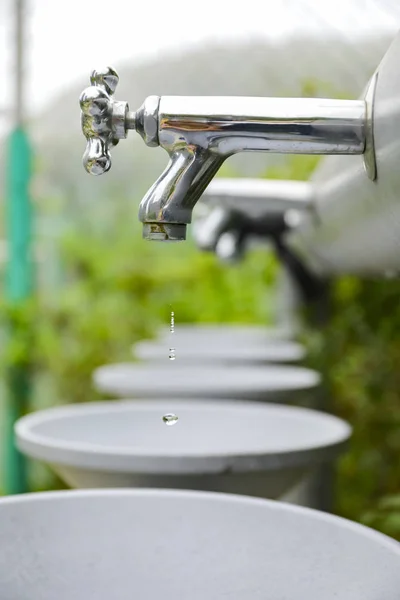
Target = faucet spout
(167,207)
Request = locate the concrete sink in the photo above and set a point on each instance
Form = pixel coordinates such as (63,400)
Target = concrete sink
(272,383)
(237,447)
(152,544)
(235,335)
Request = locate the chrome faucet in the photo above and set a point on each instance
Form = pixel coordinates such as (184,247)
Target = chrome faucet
(199,133)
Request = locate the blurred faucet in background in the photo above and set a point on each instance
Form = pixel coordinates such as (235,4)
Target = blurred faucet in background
(200,133)
(233,211)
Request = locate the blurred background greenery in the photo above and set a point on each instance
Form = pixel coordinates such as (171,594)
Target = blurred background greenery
(100,287)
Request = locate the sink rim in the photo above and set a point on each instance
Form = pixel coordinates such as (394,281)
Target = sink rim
(276,351)
(130,459)
(147,379)
(213,497)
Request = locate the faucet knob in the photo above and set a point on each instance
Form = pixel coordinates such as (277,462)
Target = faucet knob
(103,120)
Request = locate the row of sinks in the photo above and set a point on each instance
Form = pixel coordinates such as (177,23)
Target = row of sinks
(201,521)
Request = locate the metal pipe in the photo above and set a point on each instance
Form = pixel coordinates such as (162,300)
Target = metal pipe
(19,61)
(19,280)
(285,125)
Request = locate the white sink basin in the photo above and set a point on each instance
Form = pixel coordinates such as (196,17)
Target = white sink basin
(272,383)
(226,334)
(238,447)
(156,544)
(213,350)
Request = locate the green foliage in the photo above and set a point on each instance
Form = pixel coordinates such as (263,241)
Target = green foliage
(359,351)
(298,167)
(118,289)
(16,349)
(312,88)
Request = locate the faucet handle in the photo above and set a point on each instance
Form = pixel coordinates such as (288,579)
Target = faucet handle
(103,120)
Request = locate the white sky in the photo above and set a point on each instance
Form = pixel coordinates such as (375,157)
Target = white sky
(68,38)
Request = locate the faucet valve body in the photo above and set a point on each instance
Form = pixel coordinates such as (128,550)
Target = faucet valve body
(104,120)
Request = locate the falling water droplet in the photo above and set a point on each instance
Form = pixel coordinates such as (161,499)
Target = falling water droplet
(170,419)
(172,354)
(172,323)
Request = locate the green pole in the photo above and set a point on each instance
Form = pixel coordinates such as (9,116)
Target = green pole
(19,217)
(19,287)
(19,276)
